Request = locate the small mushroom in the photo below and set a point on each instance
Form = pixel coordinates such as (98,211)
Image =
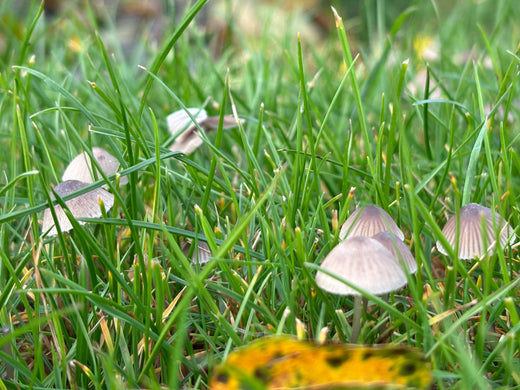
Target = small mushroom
(367,264)
(180,120)
(188,135)
(368,221)
(83,206)
(364,262)
(473,242)
(82,169)
(398,248)
(201,255)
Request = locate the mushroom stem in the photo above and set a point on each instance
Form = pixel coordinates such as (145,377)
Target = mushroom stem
(356,320)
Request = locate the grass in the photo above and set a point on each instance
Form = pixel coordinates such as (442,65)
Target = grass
(331,123)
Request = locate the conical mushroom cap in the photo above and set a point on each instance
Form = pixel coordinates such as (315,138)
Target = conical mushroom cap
(471,243)
(368,221)
(81,168)
(398,248)
(82,206)
(363,262)
(189,140)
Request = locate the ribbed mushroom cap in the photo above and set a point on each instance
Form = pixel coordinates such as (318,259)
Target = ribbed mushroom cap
(471,243)
(368,221)
(189,140)
(363,262)
(82,206)
(201,255)
(398,248)
(82,169)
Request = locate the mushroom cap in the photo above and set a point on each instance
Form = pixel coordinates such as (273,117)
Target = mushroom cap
(368,221)
(471,243)
(181,121)
(81,168)
(189,139)
(82,206)
(364,262)
(201,255)
(398,248)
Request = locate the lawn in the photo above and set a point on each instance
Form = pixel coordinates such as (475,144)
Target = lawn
(411,106)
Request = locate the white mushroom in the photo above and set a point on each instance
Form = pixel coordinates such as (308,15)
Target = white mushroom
(201,255)
(368,221)
(180,120)
(398,248)
(365,263)
(82,169)
(473,242)
(83,206)
(188,135)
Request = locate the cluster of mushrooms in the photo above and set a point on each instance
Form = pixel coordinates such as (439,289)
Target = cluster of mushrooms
(183,125)
(79,174)
(373,257)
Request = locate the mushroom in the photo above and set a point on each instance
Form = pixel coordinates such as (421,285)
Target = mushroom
(368,221)
(82,169)
(398,248)
(472,241)
(188,135)
(201,254)
(180,120)
(365,263)
(83,206)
